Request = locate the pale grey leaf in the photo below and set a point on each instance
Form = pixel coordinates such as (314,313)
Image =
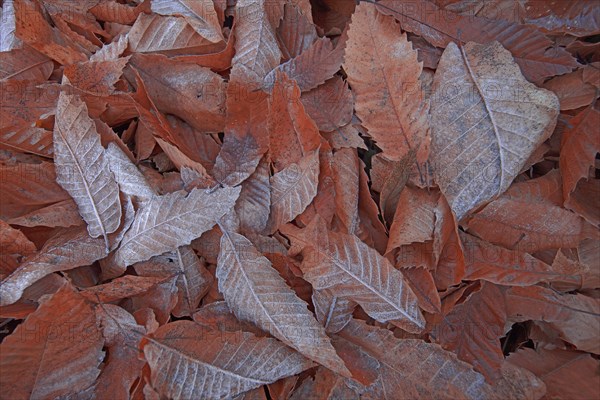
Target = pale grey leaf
(164,223)
(190,362)
(82,168)
(487,119)
(256,292)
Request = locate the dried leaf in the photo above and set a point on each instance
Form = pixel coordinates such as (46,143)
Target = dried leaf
(122,334)
(192,278)
(201,15)
(473,329)
(82,169)
(507,267)
(61,214)
(255,292)
(292,190)
(292,133)
(529,46)
(576,317)
(578,149)
(55,352)
(25,64)
(485,123)
(312,67)
(256,49)
(383,71)
(67,250)
(237,361)
(331,311)
(579,381)
(412,367)
(352,270)
(338,98)
(193,93)
(167,222)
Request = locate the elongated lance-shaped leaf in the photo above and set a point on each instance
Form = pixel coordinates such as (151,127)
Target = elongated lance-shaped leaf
(166,222)
(350,269)
(383,72)
(82,168)
(255,292)
(486,121)
(256,48)
(189,362)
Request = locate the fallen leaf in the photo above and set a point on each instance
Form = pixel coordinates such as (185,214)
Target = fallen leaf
(350,269)
(184,218)
(485,124)
(82,168)
(225,360)
(256,293)
(56,352)
(383,72)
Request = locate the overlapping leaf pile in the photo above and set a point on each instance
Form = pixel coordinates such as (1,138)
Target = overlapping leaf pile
(294,199)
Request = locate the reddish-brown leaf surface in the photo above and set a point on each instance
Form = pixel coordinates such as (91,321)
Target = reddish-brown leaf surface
(299,199)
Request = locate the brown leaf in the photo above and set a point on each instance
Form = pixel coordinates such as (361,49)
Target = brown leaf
(25,64)
(526,43)
(574,18)
(192,278)
(254,204)
(412,367)
(66,250)
(507,267)
(571,90)
(168,35)
(55,352)
(292,190)
(332,312)
(579,146)
(346,179)
(567,374)
(256,49)
(122,334)
(120,288)
(335,94)
(473,329)
(201,15)
(575,316)
(292,133)
(13,241)
(295,32)
(414,218)
(383,72)
(311,68)
(193,93)
(525,223)
(33,29)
